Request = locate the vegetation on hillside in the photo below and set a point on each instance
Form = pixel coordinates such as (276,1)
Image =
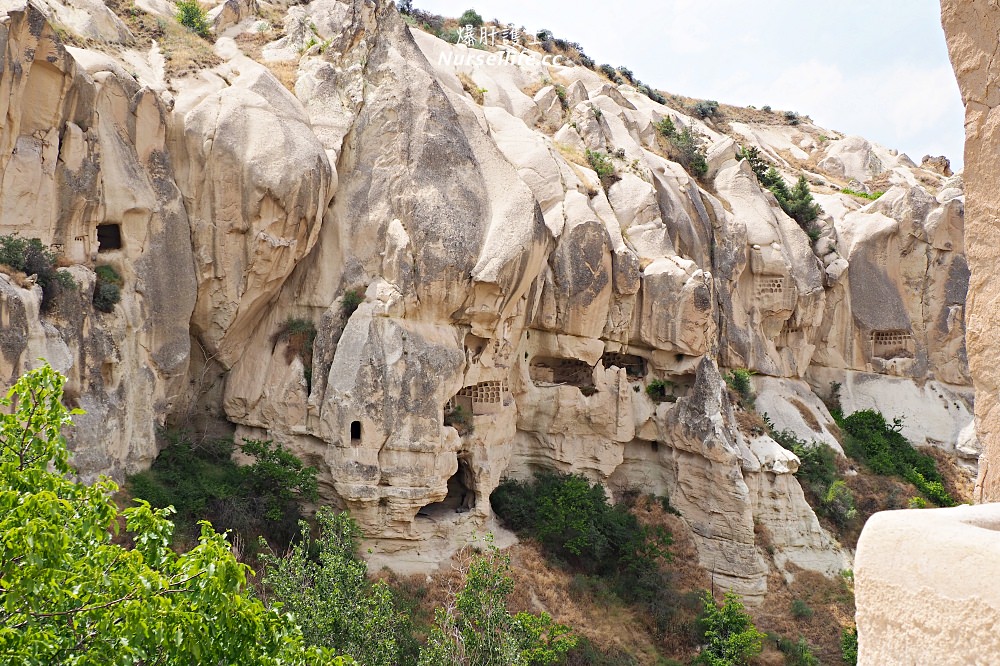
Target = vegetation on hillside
(796,201)
(25,257)
(200,480)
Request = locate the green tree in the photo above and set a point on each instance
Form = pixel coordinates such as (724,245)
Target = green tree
(324,584)
(477,629)
(470,17)
(730,635)
(193,17)
(68,595)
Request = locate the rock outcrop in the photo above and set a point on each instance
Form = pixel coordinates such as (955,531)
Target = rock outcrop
(972,43)
(515,305)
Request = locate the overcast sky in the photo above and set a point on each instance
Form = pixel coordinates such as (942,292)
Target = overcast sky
(878,68)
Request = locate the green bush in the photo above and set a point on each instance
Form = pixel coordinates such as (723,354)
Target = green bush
(798,653)
(72,593)
(601,163)
(916,503)
(797,201)
(849,646)
(350,301)
(107,290)
(202,481)
(838,504)
(576,526)
(687,149)
(739,381)
(706,108)
(191,15)
(817,461)
(870,439)
(31,257)
(792,118)
(470,17)
(666,127)
(611,73)
(661,390)
(801,610)
(864,195)
(730,637)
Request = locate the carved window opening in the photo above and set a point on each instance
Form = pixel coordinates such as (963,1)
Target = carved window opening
(461,496)
(892,344)
(355,431)
(769,286)
(635,366)
(561,371)
(482,398)
(109,237)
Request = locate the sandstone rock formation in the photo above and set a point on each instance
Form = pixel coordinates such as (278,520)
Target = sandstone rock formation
(925,587)
(515,307)
(970,29)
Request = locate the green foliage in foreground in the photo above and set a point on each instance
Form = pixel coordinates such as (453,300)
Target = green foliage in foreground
(731,639)
(870,439)
(477,630)
(325,585)
(31,257)
(68,595)
(819,475)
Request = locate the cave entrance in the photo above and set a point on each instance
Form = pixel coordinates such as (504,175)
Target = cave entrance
(635,366)
(461,497)
(109,237)
(549,371)
(355,431)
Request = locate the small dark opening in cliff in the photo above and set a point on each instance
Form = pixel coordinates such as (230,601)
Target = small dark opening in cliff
(656,447)
(109,237)
(355,431)
(635,366)
(460,498)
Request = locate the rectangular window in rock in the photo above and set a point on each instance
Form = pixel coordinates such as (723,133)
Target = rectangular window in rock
(109,237)
(892,344)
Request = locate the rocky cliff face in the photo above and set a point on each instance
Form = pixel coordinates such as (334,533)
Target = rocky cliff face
(970,28)
(515,308)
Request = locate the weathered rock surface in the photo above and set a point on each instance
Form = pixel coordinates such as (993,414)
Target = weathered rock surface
(515,308)
(924,586)
(970,28)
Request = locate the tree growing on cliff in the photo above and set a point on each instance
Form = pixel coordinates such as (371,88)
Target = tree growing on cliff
(68,594)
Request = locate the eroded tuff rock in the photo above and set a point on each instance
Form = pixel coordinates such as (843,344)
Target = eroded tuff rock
(972,44)
(84,157)
(499,275)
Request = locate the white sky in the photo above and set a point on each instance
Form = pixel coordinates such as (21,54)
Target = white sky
(878,68)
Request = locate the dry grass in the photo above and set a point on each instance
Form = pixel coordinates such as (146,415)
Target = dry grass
(957,482)
(19,277)
(832,605)
(470,87)
(185,52)
(807,415)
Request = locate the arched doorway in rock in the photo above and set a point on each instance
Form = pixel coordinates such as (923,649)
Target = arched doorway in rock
(461,496)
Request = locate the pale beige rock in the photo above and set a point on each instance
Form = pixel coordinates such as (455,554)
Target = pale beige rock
(969,28)
(924,587)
